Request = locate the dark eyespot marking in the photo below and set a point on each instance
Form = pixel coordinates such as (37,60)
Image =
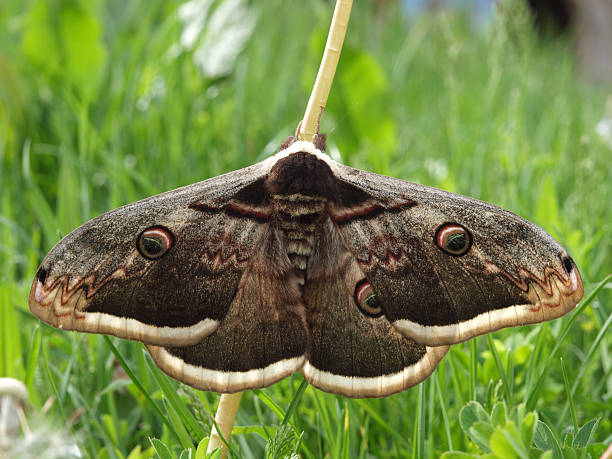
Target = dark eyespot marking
(42,274)
(453,238)
(366,299)
(154,242)
(568,264)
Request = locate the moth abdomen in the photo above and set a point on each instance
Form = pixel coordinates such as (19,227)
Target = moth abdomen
(298,229)
(298,217)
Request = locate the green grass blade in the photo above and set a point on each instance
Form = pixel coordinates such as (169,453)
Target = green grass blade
(418,434)
(457,386)
(33,360)
(569,397)
(270,403)
(531,401)
(473,367)
(320,401)
(500,369)
(179,406)
(378,419)
(59,400)
(140,387)
(583,367)
(346,445)
(534,359)
(178,423)
(447,428)
(10,343)
(431,396)
(295,402)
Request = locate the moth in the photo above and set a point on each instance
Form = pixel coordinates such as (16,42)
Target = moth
(299,263)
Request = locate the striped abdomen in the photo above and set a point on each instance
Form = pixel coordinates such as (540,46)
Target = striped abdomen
(298,218)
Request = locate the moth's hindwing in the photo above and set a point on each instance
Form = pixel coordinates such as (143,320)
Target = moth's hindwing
(262,338)
(357,353)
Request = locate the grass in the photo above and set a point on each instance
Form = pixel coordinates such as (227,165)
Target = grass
(99,107)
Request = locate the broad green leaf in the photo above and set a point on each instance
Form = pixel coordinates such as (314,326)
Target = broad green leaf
(472,412)
(364,76)
(201,449)
(480,432)
(585,433)
(527,427)
(64,40)
(518,413)
(498,414)
(39,40)
(597,449)
(569,453)
(111,427)
(500,446)
(544,439)
(84,51)
(521,354)
(138,453)
(513,436)
(161,450)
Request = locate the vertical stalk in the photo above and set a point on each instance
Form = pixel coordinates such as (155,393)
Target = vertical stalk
(224,419)
(229,403)
(318,97)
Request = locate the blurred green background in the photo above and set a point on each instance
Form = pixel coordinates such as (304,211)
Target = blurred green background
(106,102)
